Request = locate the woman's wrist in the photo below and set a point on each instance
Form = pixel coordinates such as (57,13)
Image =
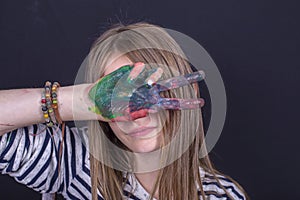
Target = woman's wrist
(74,103)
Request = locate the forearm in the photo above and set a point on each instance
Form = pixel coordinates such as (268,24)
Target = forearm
(19,108)
(22,107)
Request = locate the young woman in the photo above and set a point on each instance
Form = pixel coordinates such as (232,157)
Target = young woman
(145,148)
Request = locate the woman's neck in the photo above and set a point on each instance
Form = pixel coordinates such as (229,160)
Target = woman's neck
(147,180)
(147,168)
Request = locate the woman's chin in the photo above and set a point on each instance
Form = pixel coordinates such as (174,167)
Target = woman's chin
(145,144)
(144,149)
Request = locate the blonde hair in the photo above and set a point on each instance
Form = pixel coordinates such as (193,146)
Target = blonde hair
(178,179)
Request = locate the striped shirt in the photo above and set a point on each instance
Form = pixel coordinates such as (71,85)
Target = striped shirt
(33,161)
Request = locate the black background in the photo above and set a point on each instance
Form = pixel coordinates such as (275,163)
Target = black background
(255,45)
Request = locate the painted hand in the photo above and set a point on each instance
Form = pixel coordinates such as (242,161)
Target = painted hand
(131,91)
(148,95)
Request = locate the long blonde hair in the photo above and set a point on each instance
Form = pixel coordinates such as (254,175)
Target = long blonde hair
(179,178)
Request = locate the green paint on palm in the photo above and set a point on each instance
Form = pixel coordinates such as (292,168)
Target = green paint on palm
(103,92)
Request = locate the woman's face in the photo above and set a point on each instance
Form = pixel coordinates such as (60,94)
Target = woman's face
(141,135)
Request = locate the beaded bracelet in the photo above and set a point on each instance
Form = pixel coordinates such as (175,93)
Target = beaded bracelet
(55,102)
(50,104)
(46,101)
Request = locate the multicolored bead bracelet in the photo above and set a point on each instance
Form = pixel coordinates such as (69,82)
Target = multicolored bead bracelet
(55,86)
(49,104)
(46,101)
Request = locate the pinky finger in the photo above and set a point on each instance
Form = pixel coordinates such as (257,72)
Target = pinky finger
(181,104)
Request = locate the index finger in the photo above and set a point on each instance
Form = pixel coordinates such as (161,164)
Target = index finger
(179,81)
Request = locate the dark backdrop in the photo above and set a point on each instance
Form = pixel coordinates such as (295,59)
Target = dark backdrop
(254,43)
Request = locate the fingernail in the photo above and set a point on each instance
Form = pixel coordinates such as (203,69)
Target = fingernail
(202,74)
(138,64)
(202,102)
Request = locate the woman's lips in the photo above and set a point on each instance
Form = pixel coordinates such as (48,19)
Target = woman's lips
(141,131)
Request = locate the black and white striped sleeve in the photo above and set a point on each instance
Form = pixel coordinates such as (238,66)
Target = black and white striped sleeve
(213,190)
(33,160)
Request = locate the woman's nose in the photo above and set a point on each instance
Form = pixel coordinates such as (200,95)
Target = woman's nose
(144,121)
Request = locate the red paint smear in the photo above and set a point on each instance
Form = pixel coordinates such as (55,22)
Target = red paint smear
(132,116)
(139,114)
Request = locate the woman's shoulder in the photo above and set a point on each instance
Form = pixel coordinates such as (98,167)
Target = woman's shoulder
(219,186)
